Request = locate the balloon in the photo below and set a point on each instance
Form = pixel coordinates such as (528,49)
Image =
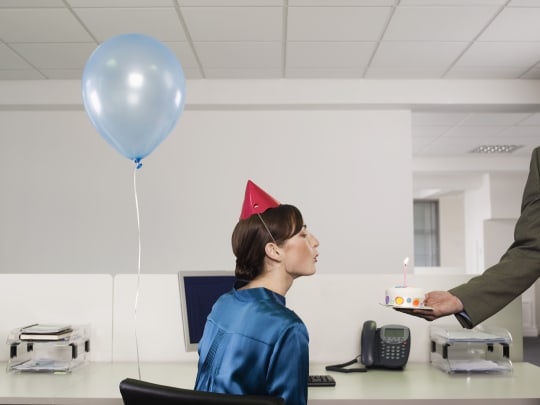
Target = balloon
(133,90)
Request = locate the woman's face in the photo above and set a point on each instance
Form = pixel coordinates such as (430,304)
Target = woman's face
(301,253)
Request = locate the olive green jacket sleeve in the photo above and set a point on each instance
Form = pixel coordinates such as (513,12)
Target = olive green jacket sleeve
(519,267)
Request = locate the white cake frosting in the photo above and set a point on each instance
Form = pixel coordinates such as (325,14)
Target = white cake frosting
(405,297)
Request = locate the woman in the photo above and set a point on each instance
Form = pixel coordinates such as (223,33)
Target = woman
(252,344)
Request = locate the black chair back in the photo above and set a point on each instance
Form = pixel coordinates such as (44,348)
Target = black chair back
(137,392)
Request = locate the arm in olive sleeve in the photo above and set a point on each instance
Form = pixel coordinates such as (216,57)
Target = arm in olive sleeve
(519,267)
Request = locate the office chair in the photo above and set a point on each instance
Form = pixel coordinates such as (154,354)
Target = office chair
(137,392)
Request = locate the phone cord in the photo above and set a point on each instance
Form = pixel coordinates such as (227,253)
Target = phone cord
(340,368)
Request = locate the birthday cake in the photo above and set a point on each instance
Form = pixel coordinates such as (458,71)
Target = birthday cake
(405,297)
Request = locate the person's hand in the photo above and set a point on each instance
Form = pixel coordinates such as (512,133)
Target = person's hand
(442,303)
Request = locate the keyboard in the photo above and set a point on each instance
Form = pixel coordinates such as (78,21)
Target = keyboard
(321,381)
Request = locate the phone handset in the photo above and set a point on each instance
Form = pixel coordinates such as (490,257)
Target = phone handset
(367,343)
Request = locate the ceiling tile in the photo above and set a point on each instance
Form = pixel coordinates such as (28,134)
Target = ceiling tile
(485,72)
(502,119)
(514,24)
(524,3)
(240,55)
(453,3)
(437,118)
(322,73)
(420,142)
(230,3)
(431,57)
(431,132)
(329,54)
(31,3)
(234,23)
(243,73)
(184,54)
(9,60)
(57,74)
(501,54)
(121,3)
(438,23)
(20,74)
(407,72)
(340,3)
(56,56)
(160,23)
(524,131)
(336,23)
(474,131)
(40,25)
(192,73)
(444,147)
(532,74)
(532,119)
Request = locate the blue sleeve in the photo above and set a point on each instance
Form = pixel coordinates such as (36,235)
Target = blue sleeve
(289,366)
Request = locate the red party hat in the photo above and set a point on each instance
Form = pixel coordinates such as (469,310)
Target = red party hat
(256,201)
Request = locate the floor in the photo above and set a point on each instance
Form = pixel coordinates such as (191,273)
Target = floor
(531,350)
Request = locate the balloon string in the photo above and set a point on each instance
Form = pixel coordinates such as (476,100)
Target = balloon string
(138,269)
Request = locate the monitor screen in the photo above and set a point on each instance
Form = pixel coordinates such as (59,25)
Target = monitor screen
(198,292)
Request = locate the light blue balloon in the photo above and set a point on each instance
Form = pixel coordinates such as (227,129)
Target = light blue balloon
(133,90)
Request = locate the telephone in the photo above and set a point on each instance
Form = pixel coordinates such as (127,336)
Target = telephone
(385,347)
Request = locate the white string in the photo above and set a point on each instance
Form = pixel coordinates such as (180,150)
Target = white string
(138,269)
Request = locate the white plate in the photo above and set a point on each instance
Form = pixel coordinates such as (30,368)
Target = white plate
(401,307)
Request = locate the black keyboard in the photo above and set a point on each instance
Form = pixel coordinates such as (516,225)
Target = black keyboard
(321,381)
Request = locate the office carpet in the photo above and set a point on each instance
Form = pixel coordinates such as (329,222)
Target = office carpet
(531,350)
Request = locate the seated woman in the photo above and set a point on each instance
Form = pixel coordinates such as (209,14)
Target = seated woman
(252,343)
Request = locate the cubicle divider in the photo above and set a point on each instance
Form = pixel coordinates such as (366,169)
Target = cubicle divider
(333,307)
(59,298)
(155,328)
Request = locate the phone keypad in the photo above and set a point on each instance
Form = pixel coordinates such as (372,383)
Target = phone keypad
(393,351)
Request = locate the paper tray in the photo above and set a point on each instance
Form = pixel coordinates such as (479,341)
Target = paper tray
(478,350)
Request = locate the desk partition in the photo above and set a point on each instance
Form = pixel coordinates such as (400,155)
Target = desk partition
(333,307)
(59,298)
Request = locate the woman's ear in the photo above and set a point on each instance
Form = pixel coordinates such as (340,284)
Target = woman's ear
(273,251)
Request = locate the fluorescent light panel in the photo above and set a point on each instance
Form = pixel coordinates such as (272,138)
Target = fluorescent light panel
(495,149)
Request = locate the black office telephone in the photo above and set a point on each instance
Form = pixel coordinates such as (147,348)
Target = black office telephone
(385,347)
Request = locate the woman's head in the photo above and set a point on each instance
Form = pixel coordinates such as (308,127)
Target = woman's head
(250,237)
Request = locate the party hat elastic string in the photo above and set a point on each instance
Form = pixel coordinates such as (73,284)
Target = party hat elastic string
(270,233)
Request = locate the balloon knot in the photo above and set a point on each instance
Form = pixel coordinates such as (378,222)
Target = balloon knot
(138,163)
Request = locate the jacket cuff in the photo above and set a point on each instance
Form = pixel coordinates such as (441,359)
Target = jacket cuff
(464,320)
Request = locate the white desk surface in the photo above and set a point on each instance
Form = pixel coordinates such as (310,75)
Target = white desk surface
(97,383)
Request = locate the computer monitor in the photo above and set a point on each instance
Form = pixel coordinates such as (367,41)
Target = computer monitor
(199,290)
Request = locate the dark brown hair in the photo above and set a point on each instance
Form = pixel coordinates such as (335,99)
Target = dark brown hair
(250,237)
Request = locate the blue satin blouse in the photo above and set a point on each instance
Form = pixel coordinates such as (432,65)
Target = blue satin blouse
(253,345)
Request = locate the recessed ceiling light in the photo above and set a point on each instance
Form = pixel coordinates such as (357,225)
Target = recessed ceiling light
(496,148)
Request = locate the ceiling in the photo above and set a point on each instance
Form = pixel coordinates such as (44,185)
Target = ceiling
(294,39)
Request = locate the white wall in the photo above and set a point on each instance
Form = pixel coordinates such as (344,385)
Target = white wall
(452,231)
(477,209)
(68,205)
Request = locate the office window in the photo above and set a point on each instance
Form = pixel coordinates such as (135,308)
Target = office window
(426,233)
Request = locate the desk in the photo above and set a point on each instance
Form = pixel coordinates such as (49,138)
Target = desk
(97,384)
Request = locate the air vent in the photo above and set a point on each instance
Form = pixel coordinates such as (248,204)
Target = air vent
(496,149)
